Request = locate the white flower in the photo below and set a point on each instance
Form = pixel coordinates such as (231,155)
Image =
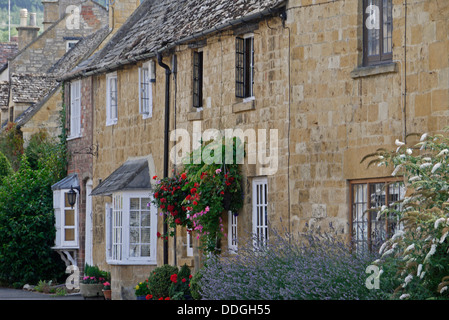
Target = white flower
(381,157)
(414,178)
(423,137)
(443,289)
(396,170)
(409,151)
(443,237)
(418,273)
(404,296)
(410,247)
(436,167)
(442,152)
(431,252)
(408,279)
(438,221)
(422,275)
(398,234)
(388,252)
(399,143)
(382,247)
(425,165)
(427,159)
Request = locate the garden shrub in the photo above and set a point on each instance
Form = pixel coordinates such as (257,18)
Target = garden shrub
(313,267)
(421,246)
(179,288)
(5,166)
(27,229)
(159,281)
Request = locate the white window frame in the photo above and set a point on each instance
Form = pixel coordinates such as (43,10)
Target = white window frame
(146,90)
(232,232)
(118,230)
(60,207)
(260,212)
(111,109)
(75,109)
(189,243)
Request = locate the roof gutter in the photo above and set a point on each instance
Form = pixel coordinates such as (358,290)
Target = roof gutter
(204,33)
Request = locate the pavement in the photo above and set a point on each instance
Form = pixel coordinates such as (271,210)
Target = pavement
(18,294)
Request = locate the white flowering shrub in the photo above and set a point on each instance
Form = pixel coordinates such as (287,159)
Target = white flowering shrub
(421,244)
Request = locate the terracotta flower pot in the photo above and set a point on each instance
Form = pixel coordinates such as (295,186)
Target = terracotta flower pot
(107,294)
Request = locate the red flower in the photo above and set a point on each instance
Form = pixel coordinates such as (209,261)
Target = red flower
(162,206)
(161,298)
(183,280)
(193,190)
(178,221)
(174,278)
(155,177)
(149,297)
(158,234)
(183,176)
(188,197)
(170,207)
(168,298)
(195,203)
(190,277)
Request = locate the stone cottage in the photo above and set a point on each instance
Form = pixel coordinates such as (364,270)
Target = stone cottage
(333,81)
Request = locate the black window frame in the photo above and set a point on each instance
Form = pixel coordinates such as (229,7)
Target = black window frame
(244,67)
(384,39)
(198,64)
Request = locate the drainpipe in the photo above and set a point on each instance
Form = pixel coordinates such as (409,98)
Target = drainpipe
(166,135)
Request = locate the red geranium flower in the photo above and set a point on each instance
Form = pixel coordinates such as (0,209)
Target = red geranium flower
(183,176)
(183,280)
(149,297)
(155,177)
(174,278)
(193,190)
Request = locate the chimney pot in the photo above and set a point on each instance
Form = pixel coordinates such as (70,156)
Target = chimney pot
(23,17)
(33,22)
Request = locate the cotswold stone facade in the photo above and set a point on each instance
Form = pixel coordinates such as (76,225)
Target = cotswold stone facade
(317,80)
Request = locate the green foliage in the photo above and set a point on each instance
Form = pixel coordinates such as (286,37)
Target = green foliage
(179,289)
(27,228)
(159,281)
(420,249)
(195,285)
(95,274)
(5,166)
(11,144)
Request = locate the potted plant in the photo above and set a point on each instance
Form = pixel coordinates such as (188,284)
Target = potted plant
(107,290)
(160,281)
(92,283)
(141,290)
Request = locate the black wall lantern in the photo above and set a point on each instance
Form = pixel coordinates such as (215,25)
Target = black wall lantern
(71,196)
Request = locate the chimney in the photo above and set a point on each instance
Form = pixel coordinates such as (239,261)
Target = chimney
(26,33)
(120,10)
(51,12)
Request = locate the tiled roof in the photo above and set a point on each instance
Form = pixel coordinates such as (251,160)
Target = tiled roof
(4,94)
(7,50)
(31,88)
(161,23)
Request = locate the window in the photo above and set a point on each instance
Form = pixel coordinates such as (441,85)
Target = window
(131,229)
(377,31)
(232,231)
(75,109)
(66,220)
(197,79)
(189,243)
(260,211)
(368,232)
(111,99)
(244,61)
(70,44)
(146,78)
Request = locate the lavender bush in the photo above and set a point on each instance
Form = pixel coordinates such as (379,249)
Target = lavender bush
(312,267)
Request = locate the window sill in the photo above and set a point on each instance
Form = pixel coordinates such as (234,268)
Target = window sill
(374,70)
(247,104)
(131,262)
(146,116)
(74,138)
(195,115)
(111,123)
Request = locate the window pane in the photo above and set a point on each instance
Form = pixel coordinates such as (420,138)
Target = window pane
(146,219)
(134,219)
(387,26)
(134,204)
(69,218)
(145,251)
(69,235)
